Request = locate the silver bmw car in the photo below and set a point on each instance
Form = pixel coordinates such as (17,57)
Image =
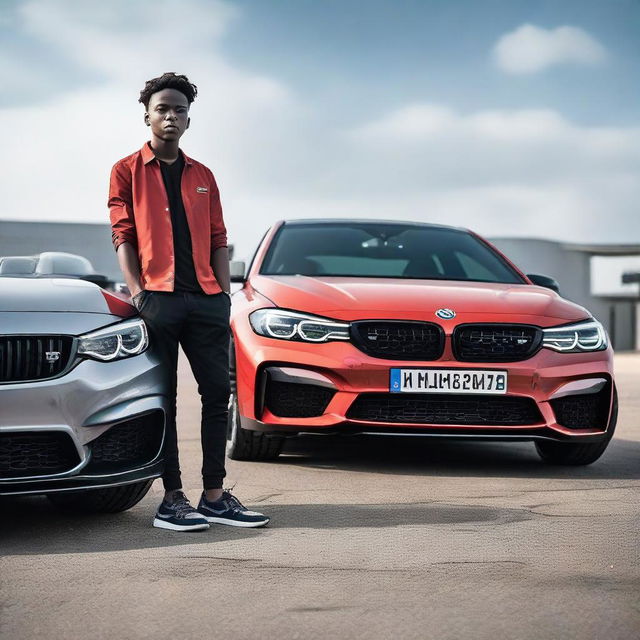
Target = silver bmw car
(82,397)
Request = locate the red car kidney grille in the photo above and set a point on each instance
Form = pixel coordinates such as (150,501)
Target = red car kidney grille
(398,340)
(495,342)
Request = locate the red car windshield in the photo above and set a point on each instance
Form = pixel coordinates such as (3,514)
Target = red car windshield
(384,251)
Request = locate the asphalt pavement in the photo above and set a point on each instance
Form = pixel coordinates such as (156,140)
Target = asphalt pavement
(370,538)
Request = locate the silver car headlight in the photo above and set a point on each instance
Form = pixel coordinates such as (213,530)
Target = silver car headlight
(290,325)
(118,341)
(576,338)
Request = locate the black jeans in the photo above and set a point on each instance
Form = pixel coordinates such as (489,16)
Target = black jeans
(200,324)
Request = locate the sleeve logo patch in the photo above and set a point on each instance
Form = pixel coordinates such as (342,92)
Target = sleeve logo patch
(202,190)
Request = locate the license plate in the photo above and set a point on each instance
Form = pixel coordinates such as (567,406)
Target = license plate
(478,381)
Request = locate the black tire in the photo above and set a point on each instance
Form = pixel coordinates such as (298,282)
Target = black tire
(244,444)
(561,453)
(107,500)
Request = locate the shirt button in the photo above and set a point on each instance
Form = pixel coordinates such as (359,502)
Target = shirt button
(166,208)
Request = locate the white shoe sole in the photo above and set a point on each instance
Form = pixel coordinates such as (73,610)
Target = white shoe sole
(163,524)
(236,523)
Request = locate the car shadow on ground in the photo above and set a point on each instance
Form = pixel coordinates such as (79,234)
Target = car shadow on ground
(461,458)
(34,526)
(37,528)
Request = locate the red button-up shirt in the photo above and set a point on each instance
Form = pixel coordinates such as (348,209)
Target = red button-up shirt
(139,212)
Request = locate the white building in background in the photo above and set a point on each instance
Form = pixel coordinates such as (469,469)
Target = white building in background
(590,275)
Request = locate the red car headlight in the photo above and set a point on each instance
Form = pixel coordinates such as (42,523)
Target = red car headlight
(291,325)
(576,338)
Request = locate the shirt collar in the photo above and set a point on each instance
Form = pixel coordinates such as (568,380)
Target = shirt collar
(148,155)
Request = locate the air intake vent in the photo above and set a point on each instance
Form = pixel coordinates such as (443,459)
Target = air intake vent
(129,443)
(420,408)
(43,453)
(588,411)
(292,400)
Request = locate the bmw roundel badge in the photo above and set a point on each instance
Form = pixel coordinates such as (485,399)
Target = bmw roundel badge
(446,314)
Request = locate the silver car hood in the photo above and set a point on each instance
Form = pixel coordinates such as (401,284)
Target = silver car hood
(57,305)
(52,323)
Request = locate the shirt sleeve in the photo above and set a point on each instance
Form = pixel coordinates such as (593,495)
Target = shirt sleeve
(123,226)
(218,230)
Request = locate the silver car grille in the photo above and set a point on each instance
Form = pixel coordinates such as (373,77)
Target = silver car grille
(39,357)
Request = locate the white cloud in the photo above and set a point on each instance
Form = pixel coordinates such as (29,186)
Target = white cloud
(418,122)
(62,151)
(504,172)
(501,172)
(530,49)
(503,142)
(411,122)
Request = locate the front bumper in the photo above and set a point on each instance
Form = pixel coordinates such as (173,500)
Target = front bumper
(82,481)
(542,381)
(108,416)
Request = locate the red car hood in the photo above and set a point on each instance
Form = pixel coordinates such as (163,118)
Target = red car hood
(346,298)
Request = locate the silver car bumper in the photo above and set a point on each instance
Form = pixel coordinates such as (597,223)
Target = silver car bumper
(79,407)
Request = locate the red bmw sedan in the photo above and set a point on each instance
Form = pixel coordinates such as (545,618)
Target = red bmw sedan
(375,327)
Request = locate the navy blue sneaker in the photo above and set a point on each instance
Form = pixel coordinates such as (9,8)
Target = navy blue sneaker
(179,515)
(229,510)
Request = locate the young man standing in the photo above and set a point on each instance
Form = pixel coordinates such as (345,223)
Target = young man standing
(171,242)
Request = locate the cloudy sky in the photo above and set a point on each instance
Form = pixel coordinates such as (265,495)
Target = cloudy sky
(512,117)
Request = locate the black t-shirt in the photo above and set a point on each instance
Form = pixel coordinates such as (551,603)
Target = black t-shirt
(185,278)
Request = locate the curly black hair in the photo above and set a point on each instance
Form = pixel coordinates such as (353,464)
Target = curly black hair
(169,80)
